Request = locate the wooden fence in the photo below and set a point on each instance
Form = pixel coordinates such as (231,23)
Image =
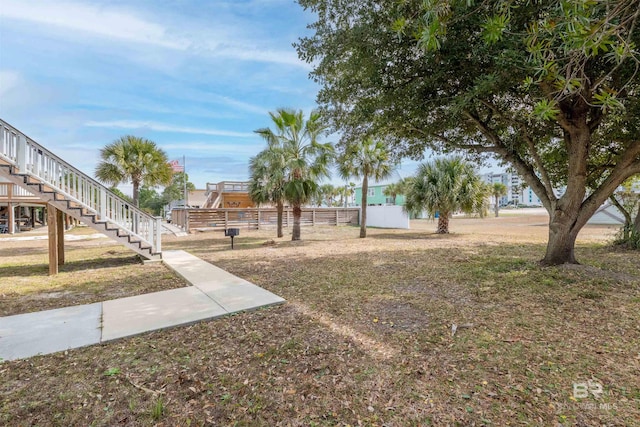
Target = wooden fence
(256,218)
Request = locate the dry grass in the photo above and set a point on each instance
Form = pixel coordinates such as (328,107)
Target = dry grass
(95,270)
(366,338)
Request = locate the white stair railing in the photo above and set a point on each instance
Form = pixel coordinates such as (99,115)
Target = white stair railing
(46,168)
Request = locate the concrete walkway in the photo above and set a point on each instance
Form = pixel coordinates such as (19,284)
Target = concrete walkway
(214,293)
(168,228)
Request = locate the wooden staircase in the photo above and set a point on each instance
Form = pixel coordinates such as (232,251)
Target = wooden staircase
(32,167)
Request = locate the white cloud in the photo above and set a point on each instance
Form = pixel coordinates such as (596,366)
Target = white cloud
(129,26)
(240,105)
(161,127)
(215,147)
(8,80)
(91,19)
(261,55)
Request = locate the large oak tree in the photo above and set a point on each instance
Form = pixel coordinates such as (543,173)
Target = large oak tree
(550,87)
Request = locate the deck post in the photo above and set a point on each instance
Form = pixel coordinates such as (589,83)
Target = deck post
(60,235)
(11,218)
(53,239)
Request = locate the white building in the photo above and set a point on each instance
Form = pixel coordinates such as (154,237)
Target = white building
(518,192)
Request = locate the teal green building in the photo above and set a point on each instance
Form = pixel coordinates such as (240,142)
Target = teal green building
(376,195)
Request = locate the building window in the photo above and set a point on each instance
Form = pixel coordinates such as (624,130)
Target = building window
(371,192)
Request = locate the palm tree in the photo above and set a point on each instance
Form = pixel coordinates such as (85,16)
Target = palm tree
(175,190)
(482,197)
(498,190)
(136,160)
(305,160)
(392,190)
(366,159)
(442,187)
(327,194)
(266,182)
(396,189)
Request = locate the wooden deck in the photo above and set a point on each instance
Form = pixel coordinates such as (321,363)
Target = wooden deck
(255,218)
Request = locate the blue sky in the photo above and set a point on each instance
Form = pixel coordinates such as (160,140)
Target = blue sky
(196,77)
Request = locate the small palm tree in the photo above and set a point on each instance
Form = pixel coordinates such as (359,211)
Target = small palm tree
(396,189)
(305,161)
(366,159)
(442,187)
(266,182)
(327,194)
(498,190)
(136,160)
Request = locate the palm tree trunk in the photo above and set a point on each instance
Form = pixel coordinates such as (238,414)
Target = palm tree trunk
(136,193)
(297,213)
(443,223)
(280,210)
(363,209)
(496,207)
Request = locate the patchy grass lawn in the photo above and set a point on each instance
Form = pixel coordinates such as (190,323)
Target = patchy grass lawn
(366,338)
(95,270)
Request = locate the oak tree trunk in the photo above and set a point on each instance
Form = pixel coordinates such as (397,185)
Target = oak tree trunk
(569,213)
(363,214)
(280,210)
(561,244)
(297,213)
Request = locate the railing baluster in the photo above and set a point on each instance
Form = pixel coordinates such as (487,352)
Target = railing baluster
(30,157)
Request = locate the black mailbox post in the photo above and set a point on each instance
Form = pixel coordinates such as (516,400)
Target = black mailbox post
(231,232)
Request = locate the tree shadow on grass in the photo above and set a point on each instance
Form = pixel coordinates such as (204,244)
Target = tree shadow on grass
(421,235)
(29,270)
(12,252)
(218,245)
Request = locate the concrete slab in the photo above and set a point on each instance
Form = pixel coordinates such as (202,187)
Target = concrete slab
(231,292)
(237,295)
(193,269)
(134,315)
(50,331)
(170,228)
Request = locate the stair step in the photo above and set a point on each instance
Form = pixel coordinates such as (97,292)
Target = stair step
(47,193)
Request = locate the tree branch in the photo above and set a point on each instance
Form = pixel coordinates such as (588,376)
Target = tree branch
(628,165)
(617,204)
(530,144)
(524,169)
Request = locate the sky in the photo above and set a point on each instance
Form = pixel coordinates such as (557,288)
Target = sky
(197,77)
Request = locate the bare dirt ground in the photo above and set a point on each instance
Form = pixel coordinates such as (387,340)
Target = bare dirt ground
(402,328)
